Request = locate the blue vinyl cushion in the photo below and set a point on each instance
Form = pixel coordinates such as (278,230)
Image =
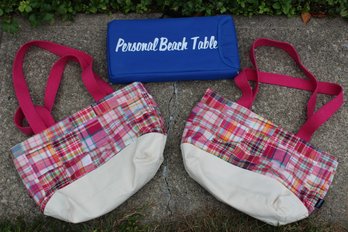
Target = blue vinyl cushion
(154,50)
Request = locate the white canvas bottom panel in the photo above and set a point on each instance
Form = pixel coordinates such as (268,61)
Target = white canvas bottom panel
(257,195)
(105,188)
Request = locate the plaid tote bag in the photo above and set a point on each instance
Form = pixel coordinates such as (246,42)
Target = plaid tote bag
(92,161)
(252,164)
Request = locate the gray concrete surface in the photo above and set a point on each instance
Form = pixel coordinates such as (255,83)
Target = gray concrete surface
(323,47)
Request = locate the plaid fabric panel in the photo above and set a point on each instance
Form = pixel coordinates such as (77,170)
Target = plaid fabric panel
(247,140)
(93,135)
(87,139)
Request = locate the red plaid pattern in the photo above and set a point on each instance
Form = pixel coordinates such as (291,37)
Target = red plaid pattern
(82,142)
(247,140)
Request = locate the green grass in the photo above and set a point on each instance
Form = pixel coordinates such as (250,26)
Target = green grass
(134,221)
(39,12)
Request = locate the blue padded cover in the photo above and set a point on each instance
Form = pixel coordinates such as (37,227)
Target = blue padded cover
(153,50)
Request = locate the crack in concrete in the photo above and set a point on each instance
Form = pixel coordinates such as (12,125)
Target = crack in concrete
(172,103)
(165,174)
(172,114)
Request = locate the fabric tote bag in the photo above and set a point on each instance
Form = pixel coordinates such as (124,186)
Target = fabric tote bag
(92,161)
(252,164)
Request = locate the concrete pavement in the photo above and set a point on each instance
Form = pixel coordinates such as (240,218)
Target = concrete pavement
(323,48)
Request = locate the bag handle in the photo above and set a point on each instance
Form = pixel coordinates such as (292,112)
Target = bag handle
(39,117)
(248,100)
(314,119)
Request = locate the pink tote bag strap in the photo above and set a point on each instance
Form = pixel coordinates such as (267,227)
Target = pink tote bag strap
(314,118)
(247,101)
(39,117)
